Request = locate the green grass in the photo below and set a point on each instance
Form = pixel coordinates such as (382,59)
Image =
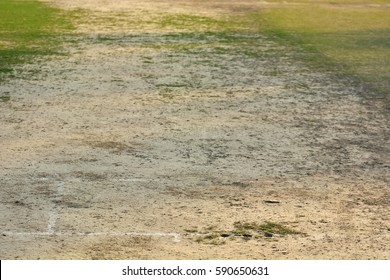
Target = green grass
(5,98)
(275,228)
(349,40)
(244,230)
(28,29)
(267,228)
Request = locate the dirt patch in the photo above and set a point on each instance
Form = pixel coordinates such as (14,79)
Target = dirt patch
(142,142)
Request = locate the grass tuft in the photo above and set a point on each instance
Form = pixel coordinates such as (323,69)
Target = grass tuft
(245,231)
(5,98)
(267,229)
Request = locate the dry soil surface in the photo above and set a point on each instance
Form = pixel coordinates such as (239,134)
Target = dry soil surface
(122,149)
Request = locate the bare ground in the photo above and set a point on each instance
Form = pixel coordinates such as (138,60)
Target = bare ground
(120,150)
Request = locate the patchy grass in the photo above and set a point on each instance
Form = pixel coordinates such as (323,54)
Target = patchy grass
(267,229)
(348,38)
(210,239)
(28,29)
(243,230)
(351,40)
(5,98)
(343,38)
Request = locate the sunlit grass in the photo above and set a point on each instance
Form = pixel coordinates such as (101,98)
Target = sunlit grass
(352,40)
(27,29)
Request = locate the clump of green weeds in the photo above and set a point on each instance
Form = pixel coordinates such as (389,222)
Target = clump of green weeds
(267,229)
(271,228)
(244,230)
(5,98)
(211,239)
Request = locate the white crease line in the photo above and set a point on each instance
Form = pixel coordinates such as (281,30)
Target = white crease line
(133,180)
(51,225)
(175,236)
(53,215)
